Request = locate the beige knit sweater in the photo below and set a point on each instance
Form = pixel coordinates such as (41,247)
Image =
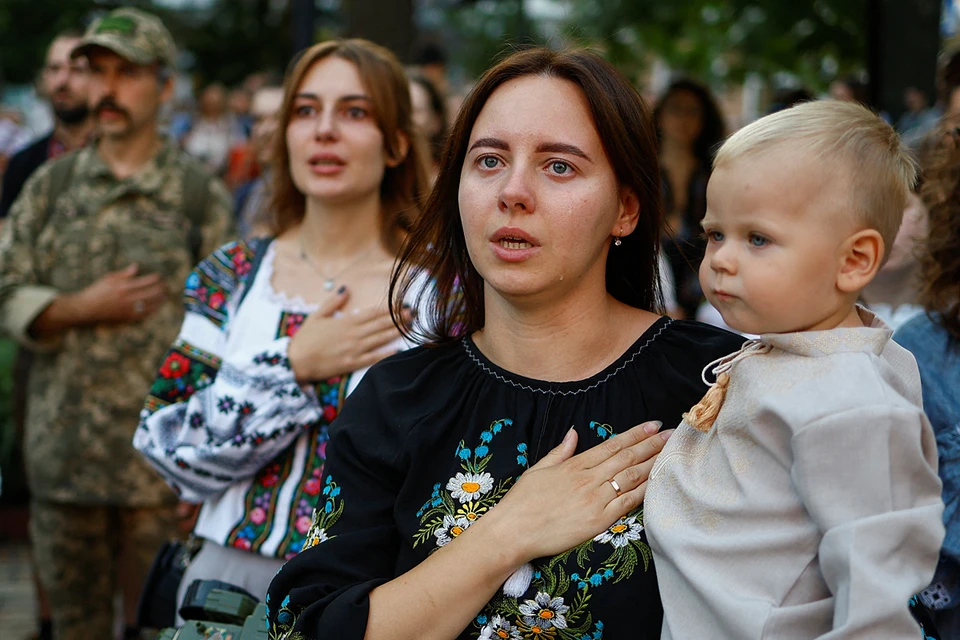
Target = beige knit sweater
(811,508)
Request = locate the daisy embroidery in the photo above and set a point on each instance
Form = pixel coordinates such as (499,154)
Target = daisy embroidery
(498,629)
(316,537)
(544,612)
(469,486)
(621,532)
(450,529)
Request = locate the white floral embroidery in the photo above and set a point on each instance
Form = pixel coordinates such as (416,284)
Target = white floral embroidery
(316,537)
(469,486)
(450,529)
(499,629)
(544,612)
(621,532)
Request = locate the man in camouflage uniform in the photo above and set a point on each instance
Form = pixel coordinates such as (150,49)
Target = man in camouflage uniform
(93,258)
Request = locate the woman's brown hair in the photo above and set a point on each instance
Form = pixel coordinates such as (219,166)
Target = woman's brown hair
(405,185)
(940,255)
(453,306)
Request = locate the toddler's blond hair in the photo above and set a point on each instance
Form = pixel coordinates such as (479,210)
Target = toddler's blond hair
(847,136)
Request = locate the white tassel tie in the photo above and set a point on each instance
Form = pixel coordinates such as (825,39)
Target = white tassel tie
(518,583)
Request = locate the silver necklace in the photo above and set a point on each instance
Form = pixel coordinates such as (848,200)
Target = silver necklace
(329,282)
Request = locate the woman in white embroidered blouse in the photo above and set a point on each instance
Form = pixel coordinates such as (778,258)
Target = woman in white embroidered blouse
(278,331)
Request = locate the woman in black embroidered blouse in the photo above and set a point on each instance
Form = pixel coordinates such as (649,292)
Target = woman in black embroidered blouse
(543,353)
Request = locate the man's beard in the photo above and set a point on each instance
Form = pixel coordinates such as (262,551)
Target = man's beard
(71,114)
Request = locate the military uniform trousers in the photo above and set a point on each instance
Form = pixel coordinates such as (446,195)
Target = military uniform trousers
(85,553)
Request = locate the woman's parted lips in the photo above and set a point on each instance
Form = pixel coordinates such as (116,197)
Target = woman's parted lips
(512,233)
(326,157)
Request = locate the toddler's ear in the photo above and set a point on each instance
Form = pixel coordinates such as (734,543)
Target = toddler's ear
(860,259)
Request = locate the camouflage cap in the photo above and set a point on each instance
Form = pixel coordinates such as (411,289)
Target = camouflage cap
(132,34)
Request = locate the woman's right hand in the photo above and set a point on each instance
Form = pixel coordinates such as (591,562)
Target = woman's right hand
(326,346)
(564,500)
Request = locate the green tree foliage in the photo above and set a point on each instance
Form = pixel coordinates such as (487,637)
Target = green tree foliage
(234,38)
(28,26)
(725,39)
(226,39)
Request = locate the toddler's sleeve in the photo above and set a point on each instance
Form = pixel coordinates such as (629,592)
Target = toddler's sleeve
(868,478)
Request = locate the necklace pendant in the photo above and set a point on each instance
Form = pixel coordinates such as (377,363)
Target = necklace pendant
(329,284)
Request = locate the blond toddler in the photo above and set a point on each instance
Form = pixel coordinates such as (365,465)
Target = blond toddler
(800,499)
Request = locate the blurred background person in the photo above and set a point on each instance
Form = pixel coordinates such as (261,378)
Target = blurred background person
(238,105)
(786,98)
(64,83)
(253,196)
(850,89)
(934,339)
(690,126)
(926,137)
(894,294)
(213,132)
(430,117)
(918,111)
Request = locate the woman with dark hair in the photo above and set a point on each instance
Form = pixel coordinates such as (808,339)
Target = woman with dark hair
(690,127)
(934,340)
(489,484)
(430,116)
(279,330)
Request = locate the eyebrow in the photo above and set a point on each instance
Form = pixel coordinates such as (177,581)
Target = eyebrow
(546,147)
(562,147)
(347,98)
(493,143)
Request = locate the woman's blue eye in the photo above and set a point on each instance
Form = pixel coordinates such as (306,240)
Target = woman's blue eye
(489,162)
(560,168)
(757,240)
(357,112)
(714,236)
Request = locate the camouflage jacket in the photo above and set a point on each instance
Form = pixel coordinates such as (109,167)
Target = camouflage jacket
(86,391)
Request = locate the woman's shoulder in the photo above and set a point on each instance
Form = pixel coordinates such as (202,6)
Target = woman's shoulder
(670,359)
(924,334)
(397,392)
(218,276)
(417,370)
(688,340)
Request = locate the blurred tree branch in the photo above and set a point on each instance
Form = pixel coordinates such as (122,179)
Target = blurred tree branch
(726,39)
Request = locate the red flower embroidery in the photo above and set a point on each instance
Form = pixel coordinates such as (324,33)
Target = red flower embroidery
(269,480)
(176,366)
(312,487)
(329,413)
(243,543)
(216,300)
(240,263)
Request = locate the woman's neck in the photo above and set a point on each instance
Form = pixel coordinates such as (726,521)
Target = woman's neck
(568,338)
(672,151)
(343,229)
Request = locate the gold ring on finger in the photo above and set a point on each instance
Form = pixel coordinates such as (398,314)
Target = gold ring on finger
(616,487)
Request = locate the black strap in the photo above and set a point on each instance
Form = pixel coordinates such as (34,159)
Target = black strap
(196,193)
(60,175)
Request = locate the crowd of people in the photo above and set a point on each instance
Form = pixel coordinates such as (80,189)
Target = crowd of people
(320,327)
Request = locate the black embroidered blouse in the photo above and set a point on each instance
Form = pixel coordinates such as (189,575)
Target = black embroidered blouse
(433,438)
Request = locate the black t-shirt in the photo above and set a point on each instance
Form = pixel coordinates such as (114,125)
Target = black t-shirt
(432,438)
(21,166)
